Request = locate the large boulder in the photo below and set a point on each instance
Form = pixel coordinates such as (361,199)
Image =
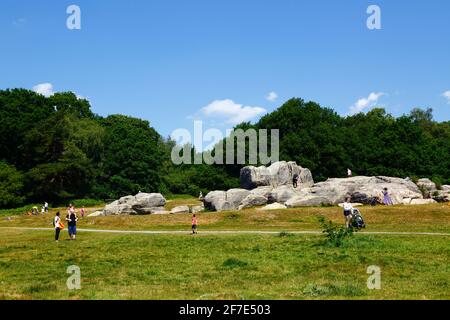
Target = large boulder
(252,200)
(116,208)
(149,200)
(142,203)
(365,189)
(180,209)
(262,191)
(215,200)
(278,174)
(281,194)
(426,186)
(225,200)
(307,201)
(422,201)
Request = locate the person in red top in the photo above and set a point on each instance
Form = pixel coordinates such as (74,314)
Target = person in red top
(194,224)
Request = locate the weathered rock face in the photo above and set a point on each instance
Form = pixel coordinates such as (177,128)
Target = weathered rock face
(180,209)
(274,185)
(251,201)
(426,185)
(262,191)
(225,200)
(142,203)
(364,189)
(197,209)
(307,201)
(442,195)
(278,174)
(282,194)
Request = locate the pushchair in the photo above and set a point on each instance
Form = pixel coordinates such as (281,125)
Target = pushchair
(357,219)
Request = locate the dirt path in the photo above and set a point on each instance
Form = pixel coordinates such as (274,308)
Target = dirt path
(219,232)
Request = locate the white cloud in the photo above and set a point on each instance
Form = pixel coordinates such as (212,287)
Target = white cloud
(365,103)
(46,89)
(446,95)
(232,112)
(272,96)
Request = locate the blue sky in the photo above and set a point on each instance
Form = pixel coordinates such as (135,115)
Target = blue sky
(174,61)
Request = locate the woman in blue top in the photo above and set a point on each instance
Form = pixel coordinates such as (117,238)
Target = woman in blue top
(387,198)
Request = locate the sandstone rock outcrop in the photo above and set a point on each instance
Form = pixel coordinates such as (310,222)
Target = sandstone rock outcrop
(142,203)
(278,174)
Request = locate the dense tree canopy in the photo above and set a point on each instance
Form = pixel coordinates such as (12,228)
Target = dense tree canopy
(55,149)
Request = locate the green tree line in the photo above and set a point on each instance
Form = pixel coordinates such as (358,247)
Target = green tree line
(56,149)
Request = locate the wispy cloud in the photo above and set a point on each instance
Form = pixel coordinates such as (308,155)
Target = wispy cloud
(272,96)
(231,112)
(365,103)
(46,89)
(19,22)
(446,95)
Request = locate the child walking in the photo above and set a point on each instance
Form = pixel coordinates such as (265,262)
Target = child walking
(194,224)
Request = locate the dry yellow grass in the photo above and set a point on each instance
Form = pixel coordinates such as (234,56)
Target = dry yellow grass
(426,218)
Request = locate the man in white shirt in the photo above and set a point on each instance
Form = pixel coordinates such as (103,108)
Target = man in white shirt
(349,173)
(348,212)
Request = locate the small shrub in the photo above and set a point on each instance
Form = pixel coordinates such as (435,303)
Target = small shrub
(234,263)
(285,234)
(315,290)
(335,234)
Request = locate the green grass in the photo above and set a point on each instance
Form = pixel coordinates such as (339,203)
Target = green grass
(279,266)
(32,266)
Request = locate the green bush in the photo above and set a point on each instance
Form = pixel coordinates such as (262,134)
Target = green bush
(335,234)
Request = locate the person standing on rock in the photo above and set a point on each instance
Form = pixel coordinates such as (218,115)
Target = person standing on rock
(194,224)
(295,181)
(387,198)
(348,212)
(349,173)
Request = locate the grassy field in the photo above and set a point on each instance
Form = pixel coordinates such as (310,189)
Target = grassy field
(429,218)
(279,266)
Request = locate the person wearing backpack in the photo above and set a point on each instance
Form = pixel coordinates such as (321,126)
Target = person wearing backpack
(73,225)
